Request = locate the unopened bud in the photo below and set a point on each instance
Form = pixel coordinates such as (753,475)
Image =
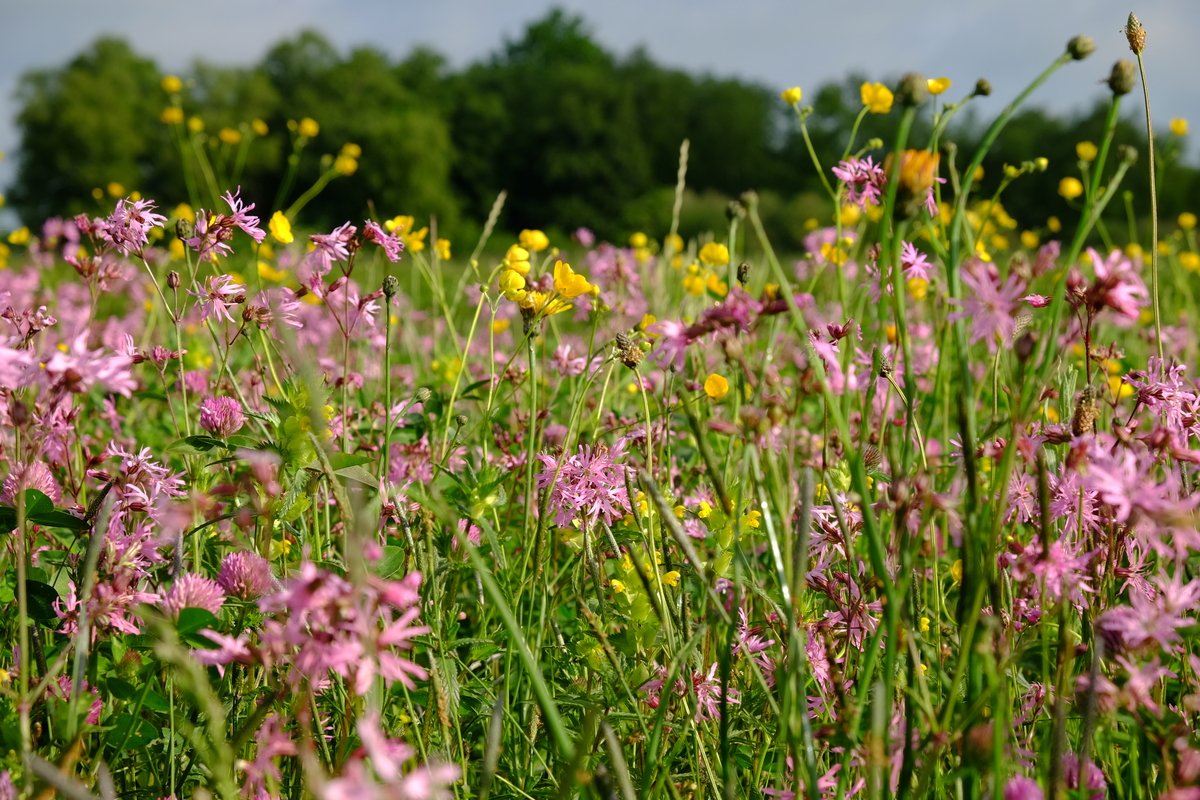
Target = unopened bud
(1041,164)
(983,87)
(1121,81)
(735,210)
(874,143)
(19,413)
(423,394)
(173,279)
(183,228)
(390,286)
(912,90)
(1128,154)
(1081,47)
(872,457)
(1135,33)
(743,272)
(461,420)
(1024,346)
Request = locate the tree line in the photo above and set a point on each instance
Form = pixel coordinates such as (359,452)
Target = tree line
(576,135)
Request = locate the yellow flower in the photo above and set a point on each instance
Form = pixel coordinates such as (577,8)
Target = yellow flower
(345,165)
(352,150)
(716,387)
(267,272)
(500,325)
(617,586)
(415,241)
(1054,224)
(175,248)
(1029,240)
(19,236)
(1164,248)
(540,303)
(184,211)
(877,98)
(512,283)
(195,124)
(850,215)
(171,115)
(229,135)
(442,246)
(705,510)
(752,518)
(638,240)
(937,85)
(517,258)
(918,288)
(1086,151)
(792,96)
(924,624)
(399,224)
(535,241)
(115,189)
(671,578)
(679,511)
(569,283)
(1187,220)
(1119,388)
(308,127)
(674,241)
(715,285)
(811,224)
(281,228)
(172,85)
(632,388)
(1179,126)
(956,571)
(260,127)
(1070,188)
(647,321)
(1041,163)
(1134,250)
(714,254)
(693,285)
(1189,260)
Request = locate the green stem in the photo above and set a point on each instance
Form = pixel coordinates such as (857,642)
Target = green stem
(1153,214)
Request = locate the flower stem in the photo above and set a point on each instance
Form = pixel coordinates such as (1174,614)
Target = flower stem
(1153,214)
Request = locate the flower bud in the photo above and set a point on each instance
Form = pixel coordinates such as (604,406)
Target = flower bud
(735,210)
(1081,47)
(1128,153)
(173,279)
(743,272)
(912,90)
(1024,347)
(461,420)
(183,228)
(391,285)
(423,394)
(983,87)
(1121,81)
(1135,33)
(874,144)
(19,413)
(1041,164)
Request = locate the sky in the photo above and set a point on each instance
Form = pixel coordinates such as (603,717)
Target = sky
(780,43)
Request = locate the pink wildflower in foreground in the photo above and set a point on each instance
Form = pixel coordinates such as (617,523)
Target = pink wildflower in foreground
(1021,788)
(915,263)
(31,476)
(590,484)
(214,231)
(429,781)
(392,245)
(1154,619)
(193,591)
(330,247)
(672,344)
(221,416)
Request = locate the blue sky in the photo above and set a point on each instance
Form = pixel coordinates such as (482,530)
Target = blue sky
(778,42)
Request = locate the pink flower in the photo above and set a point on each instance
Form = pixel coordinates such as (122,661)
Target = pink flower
(915,263)
(127,229)
(584,236)
(568,366)
(392,245)
(245,575)
(590,484)
(193,591)
(1037,301)
(1154,619)
(1020,787)
(705,688)
(214,231)
(990,306)
(228,651)
(864,181)
(35,475)
(221,416)
(220,295)
(673,341)
(330,247)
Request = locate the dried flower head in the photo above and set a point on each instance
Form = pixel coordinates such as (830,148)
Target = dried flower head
(1135,33)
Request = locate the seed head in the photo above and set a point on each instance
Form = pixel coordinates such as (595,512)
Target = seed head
(872,458)
(1084,419)
(913,89)
(1135,33)
(1081,47)
(628,353)
(983,87)
(1121,81)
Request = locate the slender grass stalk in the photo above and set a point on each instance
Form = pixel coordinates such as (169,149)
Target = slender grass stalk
(1153,209)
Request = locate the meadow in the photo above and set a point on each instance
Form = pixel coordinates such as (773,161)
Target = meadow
(371,513)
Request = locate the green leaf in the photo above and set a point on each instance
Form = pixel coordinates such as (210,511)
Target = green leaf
(392,561)
(41,600)
(358,475)
(122,690)
(194,445)
(193,620)
(139,731)
(340,461)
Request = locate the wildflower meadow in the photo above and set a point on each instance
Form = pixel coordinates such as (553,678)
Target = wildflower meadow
(373,513)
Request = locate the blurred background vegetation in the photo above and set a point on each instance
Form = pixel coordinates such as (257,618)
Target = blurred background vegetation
(575,134)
